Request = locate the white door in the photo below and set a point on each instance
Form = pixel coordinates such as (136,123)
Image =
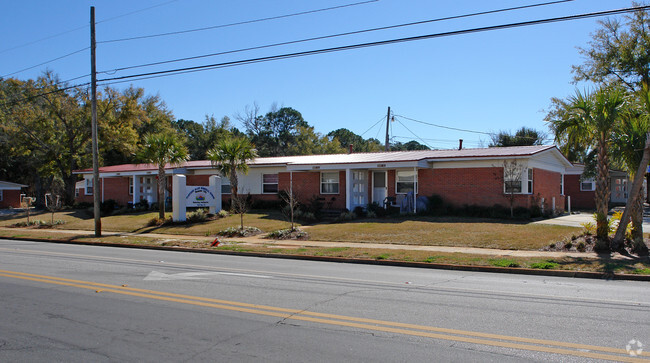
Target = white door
(359,189)
(379,187)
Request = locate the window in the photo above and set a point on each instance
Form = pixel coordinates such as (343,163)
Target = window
(405,182)
(89,186)
(131,185)
(76,192)
(530,181)
(587,185)
(562,185)
(1,196)
(329,182)
(225,186)
(269,183)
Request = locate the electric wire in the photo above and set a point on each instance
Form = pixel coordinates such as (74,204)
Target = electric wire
(336,35)
(235,24)
(78,28)
(46,62)
(414,134)
(378,43)
(373,126)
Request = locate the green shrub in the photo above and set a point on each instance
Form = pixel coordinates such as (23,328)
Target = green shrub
(503,262)
(223,213)
(157,222)
(545,265)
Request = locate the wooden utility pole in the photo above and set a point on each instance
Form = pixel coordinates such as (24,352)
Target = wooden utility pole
(93,81)
(387,147)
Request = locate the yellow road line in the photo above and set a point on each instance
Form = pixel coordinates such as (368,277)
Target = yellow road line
(342,279)
(391,327)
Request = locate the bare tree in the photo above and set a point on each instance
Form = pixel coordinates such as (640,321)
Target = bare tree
(289,197)
(512,181)
(239,204)
(52,203)
(26,204)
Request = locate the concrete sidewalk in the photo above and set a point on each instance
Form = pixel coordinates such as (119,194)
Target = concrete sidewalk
(578,219)
(258,241)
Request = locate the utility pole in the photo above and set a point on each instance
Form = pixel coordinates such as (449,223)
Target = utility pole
(93,81)
(387,124)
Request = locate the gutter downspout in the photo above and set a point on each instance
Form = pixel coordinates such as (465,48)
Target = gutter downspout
(415,190)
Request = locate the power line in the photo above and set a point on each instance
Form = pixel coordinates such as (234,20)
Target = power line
(81,27)
(377,43)
(29,98)
(334,36)
(237,23)
(46,62)
(375,124)
(445,127)
(414,134)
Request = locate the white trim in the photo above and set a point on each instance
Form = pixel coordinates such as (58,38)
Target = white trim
(89,184)
(591,181)
(415,180)
(338,182)
(277,183)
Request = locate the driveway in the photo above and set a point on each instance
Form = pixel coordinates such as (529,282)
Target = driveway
(577,220)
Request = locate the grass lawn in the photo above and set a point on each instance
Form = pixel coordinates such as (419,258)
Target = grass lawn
(455,232)
(267,221)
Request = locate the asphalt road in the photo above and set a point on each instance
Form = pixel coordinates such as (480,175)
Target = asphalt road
(82,303)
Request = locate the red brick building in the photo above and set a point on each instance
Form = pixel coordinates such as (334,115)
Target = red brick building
(10,194)
(583,190)
(467,176)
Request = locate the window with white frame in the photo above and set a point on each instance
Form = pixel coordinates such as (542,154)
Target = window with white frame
(131,185)
(269,183)
(562,184)
(1,196)
(329,182)
(225,186)
(405,181)
(518,181)
(587,185)
(89,186)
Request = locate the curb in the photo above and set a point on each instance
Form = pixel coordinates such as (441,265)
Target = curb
(438,266)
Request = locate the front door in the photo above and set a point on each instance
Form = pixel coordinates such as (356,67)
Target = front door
(379,187)
(359,193)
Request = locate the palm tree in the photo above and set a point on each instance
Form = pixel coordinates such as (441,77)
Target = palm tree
(229,156)
(162,149)
(589,121)
(628,150)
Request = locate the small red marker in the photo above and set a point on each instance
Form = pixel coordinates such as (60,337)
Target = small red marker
(216,242)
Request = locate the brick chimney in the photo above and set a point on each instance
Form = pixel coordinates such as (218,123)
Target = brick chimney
(460,144)
(351,149)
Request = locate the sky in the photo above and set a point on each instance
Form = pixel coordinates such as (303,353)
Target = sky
(481,82)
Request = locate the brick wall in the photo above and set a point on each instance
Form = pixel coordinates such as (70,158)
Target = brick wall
(10,198)
(579,199)
(307,185)
(484,186)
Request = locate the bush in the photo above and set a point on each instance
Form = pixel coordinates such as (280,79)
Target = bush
(199,215)
(157,222)
(107,207)
(546,265)
(376,209)
(346,216)
(359,212)
(266,204)
(142,205)
(223,213)
(236,232)
(503,262)
(296,233)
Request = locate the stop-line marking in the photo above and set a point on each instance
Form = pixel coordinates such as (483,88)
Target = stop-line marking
(496,340)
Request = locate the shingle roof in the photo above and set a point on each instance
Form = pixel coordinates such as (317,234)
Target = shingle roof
(11,186)
(354,158)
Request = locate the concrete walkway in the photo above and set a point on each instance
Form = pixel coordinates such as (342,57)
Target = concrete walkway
(578,219)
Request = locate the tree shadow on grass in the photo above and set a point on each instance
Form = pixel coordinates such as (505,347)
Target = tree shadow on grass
(608,263)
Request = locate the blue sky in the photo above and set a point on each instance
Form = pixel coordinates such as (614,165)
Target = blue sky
(486,82)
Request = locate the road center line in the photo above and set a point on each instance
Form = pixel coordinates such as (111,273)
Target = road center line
(341,320)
